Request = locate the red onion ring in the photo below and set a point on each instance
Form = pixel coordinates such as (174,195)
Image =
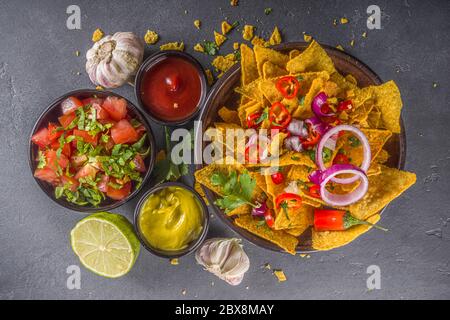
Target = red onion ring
(317,104)
(362,138)
(343,199)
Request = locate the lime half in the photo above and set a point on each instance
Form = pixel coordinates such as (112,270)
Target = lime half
(106,244)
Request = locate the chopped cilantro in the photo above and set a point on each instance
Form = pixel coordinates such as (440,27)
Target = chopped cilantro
(267,11)
(210,47)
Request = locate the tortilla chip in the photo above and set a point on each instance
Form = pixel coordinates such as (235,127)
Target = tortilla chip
(271,70)
(293,53)
(229,116)
(201,192)
(245,109)
(314,58)
(269,91)
(265,54)
(350,78)
(300,218)
(383,188)
(275,38)
(327,240)
(382,157)
(219,38)
(249,70)
(258,41)
(374,118)
(388,100)
(241,210)
(280,238)
(251,91)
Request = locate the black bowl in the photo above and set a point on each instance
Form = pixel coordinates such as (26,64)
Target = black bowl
(222,93)
(149,63)
(51,113)
(194,244)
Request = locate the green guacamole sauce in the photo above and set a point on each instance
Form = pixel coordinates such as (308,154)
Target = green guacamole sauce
(171,219)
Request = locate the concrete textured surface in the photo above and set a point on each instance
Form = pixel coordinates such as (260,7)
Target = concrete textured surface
(38,64)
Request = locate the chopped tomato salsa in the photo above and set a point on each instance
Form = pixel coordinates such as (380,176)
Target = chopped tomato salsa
(96,151)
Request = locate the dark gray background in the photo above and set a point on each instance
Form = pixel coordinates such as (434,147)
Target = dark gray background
(38,64)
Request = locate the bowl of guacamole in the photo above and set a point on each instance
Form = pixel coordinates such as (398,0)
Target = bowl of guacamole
(171,220)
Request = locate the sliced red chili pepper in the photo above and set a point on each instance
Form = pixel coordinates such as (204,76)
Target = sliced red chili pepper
(314,191)
(341,159)
(252,118)
(277,178)
(291,199)
(249,158)
(268,216)
(288,86)
(325,108)
(279,116)
(345,105)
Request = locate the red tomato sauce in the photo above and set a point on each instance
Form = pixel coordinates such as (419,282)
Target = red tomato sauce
(171,89)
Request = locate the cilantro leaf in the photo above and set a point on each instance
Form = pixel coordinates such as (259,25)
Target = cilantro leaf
(210,47)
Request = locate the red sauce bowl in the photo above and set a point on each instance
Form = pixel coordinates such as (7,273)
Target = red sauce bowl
(171,87)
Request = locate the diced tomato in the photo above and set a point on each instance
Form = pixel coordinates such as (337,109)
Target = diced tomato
(70,182)
(103,183)
(101,113)
(53,133)
(86,136)
(139,163)
(47,175)
(119,194)
(53,162)
(67,119)
(66,150)
(116,107)
(91,101)
(70,105)
(87,170)
(123,132)
(277,178)
(40,138)
(78,161)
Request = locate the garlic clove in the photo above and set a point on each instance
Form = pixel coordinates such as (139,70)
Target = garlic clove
(225,258)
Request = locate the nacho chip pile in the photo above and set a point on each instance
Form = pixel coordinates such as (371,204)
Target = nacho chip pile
(375,110)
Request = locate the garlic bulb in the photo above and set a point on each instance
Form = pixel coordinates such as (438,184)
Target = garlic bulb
(114,59)
(225,258)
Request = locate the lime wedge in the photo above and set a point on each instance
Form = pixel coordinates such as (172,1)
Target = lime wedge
(106,244)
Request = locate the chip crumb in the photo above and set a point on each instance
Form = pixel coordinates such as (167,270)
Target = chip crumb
(197,24)
(151,37)
(335,22)
(267,11)
(267,266)
(247,33)
(174,261)
(183,292)
(97,35)
(77,53)
(99,88)
(226,27)
(275,38)
(78,73)
(198,47)
(185,12)
(435,85)
(364,35)
(234,3)
(352,43)
(247,287)
(344,20)
(179,46)
(212,283)
(280,275)
(209,77)
(339,47)
(219,38)
(307,37)
(223,63)
(236,46)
